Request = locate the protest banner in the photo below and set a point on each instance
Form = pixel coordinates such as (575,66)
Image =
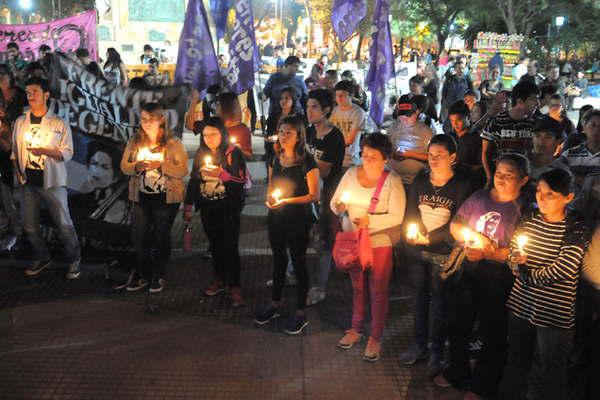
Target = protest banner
(102,118)
(66,35)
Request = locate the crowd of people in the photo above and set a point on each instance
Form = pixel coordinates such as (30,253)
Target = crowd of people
(490,206)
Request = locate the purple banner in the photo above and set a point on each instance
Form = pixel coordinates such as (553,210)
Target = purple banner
(239,76)
(66,35)
(346,15)
(220,10)
(196,61)
(381,69)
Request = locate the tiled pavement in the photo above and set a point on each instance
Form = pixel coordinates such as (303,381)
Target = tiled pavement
(79,340)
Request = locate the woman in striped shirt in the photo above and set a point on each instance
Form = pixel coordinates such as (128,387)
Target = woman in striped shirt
(546,254)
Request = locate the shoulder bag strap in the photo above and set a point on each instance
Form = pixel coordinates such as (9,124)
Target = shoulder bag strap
(375,198)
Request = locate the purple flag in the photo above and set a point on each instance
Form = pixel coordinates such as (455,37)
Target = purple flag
(346,15)
(239,75)
(381,69)
(219,10)
(196,61)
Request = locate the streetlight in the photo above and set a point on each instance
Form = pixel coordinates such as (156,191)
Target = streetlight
(559,21)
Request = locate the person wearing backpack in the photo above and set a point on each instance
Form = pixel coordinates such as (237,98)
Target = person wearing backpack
(216,189)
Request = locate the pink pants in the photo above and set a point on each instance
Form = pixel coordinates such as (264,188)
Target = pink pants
(372,284)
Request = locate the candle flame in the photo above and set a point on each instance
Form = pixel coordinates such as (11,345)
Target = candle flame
(522,241)
(208,161)
(233,140)
(345,197)
(144,154)
(412,232)
(276,195)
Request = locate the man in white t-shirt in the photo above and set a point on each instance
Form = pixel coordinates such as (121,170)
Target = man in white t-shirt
(350,119)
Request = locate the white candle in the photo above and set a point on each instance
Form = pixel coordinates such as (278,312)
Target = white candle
(208,161)
(412,232)
(144,154)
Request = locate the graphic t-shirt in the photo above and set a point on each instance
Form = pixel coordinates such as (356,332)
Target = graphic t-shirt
(346,121)
(496,221)
(433,207)
(330,148)
(508,134)
(34,166)
(153,181)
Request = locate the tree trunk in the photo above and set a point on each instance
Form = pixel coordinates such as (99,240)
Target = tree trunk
(361,38)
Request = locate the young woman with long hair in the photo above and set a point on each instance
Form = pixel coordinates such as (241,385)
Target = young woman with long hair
(114,68)
(156,162)
(216,189)
(293,187)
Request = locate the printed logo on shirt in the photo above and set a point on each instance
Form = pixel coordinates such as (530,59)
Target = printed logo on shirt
(488,224)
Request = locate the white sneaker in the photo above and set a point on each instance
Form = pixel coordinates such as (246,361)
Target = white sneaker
(74,270)
(315,295)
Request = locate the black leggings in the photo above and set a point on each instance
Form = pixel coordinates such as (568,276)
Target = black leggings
(292,234)
(221,223)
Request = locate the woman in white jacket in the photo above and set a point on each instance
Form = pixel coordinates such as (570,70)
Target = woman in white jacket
(358,186)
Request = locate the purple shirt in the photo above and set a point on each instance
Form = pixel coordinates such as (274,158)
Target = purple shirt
(494,220)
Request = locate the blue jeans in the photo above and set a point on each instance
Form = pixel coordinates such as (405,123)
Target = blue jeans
(58,206)
(553,345)
(427,296)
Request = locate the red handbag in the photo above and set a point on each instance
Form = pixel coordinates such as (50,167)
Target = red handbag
(353,248)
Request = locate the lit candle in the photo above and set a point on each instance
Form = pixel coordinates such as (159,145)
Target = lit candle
(345,197)
(208,161)
(276,195)
(273,138)
(144,154)
(232,140)
(471,238)
(412,232)
(521,242)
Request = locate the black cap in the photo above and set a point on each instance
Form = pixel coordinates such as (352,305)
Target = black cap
(549,125)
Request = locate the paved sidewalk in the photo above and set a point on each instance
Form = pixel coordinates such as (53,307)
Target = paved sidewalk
(79,340)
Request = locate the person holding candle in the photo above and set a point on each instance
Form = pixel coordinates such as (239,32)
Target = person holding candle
(489,217)
(293,186)
(41,146)
(156,162)
(383,224)
(230,112)
(326,144)
(433,199)
(546,254)
(216,189)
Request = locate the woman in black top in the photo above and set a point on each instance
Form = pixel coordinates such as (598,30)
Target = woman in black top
(433,199)
(288,105)
(293,186)
(216,189)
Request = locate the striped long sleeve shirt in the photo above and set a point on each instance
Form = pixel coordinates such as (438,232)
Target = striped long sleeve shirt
(544,293)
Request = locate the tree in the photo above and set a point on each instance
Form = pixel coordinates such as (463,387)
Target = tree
(440,14)
(520,16)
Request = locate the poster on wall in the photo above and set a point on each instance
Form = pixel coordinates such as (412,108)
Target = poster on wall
(102,118)
(66,35)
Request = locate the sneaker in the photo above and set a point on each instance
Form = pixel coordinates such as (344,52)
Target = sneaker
(351,337)
(8,242)
(123,285)
(215,288)
(290,280)
(37,267)
(157,285)
(315,296)
(207,255)
(235,293)
(413,354)
(372,350)
(435,365)
(440,381)
(267,315)
(137,284)
(296,324)
(74,270)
